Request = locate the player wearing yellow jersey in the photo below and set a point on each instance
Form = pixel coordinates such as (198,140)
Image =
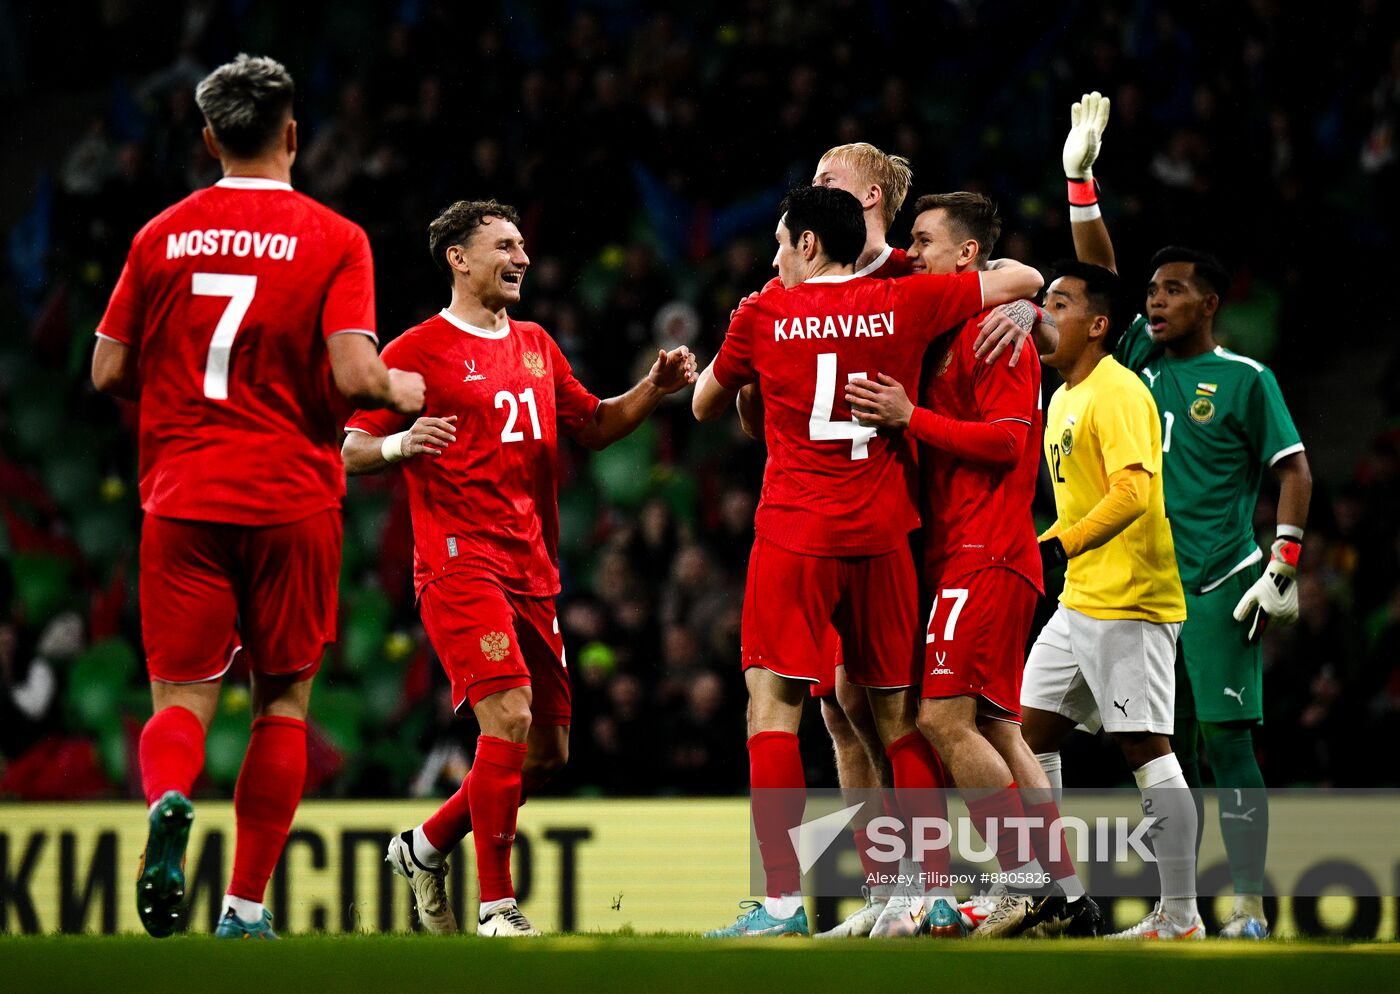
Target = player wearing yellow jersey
(1107,656)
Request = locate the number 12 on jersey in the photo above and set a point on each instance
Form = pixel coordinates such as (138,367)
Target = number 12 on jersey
(820,427)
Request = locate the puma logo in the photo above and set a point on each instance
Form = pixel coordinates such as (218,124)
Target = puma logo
(1124,706)
(1238,695)
(1247,816)
(1151,376)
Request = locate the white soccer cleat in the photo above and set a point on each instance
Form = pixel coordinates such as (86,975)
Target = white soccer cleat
(860,922)
(901,916)
(1160,925)
(508,920)
(1242,925)
(429,886)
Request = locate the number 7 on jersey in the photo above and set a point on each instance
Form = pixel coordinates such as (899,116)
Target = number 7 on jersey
(239,290)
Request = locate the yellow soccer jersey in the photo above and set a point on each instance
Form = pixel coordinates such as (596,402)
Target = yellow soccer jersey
(1106,423)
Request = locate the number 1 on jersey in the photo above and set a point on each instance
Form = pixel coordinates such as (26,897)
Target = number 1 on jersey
(820,427)
(239,290)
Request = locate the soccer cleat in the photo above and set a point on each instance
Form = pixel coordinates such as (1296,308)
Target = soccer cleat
(160,884)
(1159,925)
(858,923)
(429,886)
(902,916)
(1008,918)
(944,921)
(1244,926)
(979,906)
(756,922)
(508,920)
(233,927)
(1055,916)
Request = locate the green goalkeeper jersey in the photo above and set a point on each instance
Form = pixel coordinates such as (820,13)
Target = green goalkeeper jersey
(1223,420)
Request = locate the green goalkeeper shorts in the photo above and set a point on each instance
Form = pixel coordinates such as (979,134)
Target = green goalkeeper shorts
(1220,675)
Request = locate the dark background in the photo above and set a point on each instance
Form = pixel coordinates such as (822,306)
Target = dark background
(647,152)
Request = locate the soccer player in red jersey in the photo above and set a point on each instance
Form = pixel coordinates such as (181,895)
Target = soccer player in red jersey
(837,506)
(880,182)
(979,429)
(482,491)
(240,313)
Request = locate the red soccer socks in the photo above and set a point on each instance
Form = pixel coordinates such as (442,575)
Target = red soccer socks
(172,752)
(265,800)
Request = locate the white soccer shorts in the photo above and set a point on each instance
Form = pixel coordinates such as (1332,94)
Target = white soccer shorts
(1115,674)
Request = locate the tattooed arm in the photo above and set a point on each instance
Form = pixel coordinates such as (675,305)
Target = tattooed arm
(1008,326)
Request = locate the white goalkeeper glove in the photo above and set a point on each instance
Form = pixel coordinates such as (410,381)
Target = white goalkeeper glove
(1088,117)
(1274,595)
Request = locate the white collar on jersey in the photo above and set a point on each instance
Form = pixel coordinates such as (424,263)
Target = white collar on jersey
(252,183)
(472,329)
(865,270)
(875,263)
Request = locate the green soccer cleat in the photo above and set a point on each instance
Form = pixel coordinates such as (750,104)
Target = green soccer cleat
(233,927)
(756,922)
(160,885)
(944,921)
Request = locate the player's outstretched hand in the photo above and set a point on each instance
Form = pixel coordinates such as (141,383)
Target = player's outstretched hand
(1006,327)
(882,404)
(673,370)
(430,436)
(405,391)
(1088,117)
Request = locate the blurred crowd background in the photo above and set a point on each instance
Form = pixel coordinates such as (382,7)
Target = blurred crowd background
(647,153)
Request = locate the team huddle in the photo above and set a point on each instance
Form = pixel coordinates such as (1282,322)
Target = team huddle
(252,363)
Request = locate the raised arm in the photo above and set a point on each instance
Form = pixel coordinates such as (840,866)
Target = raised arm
(619,416)
(1088,118)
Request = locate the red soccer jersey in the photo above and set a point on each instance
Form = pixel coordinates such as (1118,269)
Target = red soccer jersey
(976,515)
(888,265)
(227,299)
(489,505)
(832,487)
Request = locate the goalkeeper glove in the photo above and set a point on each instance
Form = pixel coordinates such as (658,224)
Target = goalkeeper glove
(1088,117)
(1275,594)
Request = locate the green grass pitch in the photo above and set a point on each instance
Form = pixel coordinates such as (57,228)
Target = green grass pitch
(382,964)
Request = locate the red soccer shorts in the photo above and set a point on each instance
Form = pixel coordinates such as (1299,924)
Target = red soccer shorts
(278,584)
(830,650)
(490,640)
(975,641)
(791,602)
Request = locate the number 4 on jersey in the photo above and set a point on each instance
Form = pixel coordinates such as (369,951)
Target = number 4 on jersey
(820,428)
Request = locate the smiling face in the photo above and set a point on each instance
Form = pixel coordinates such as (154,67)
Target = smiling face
(936,247)
(491,265)
(1178,302)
